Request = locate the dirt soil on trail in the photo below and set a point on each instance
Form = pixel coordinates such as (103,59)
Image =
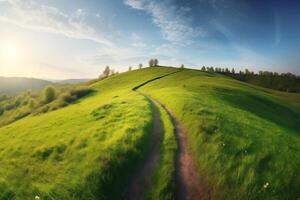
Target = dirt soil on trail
(188,184)
(142,179)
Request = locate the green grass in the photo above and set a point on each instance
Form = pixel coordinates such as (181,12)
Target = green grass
(242,136)
(163,185)
(84,151)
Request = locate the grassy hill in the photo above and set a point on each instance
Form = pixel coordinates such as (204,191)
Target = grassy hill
(242,136)
(13,85)
(244,139)
(73,81)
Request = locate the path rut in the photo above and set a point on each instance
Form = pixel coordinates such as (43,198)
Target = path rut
(188,184)
(142,179)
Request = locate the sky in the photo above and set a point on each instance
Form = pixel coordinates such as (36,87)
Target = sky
(61,39)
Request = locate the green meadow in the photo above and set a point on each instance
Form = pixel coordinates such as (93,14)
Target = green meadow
(245,139)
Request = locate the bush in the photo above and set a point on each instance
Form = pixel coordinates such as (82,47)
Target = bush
(75,94)
(50,94)
(10,106)
(1,111)
(32,103)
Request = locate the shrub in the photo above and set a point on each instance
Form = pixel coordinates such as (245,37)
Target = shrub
(1,111)
(9,106)
(32,103)
(75,94)
(3,98)
(21,113)
(49,94)
(18,102)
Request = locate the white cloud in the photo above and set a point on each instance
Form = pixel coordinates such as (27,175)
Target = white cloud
(175,25)
(28,14)
(136,4)
(137,41)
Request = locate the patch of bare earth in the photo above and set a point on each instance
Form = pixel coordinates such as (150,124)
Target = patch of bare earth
(141,181)
(188,182)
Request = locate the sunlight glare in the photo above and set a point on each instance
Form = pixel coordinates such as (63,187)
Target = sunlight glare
(9,53)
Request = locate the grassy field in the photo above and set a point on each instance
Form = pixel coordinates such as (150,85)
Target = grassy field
(84,151)
(245,140)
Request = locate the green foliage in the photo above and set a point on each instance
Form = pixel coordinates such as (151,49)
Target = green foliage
(49,94)
(19,106)
(75,93)
(153,62)
(32,103)
(284,82)
(1,110)
(163,185)
(86,150)
(242,136)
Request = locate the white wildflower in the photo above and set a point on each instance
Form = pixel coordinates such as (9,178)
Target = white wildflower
(266,185)
(37,198)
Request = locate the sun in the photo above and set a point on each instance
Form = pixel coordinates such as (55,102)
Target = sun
(9,53)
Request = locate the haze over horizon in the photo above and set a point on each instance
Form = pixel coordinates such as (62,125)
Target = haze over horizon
(56,39)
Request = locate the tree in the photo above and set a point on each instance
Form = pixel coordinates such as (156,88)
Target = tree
(155,62)
(105,73)
(151,63)
(227,70)
(140,66)
(129,68)
(182,66)
(49,94)
(203,69)
(233,71)
(31,103)
(247,71)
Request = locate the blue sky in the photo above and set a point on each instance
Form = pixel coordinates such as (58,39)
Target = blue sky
(77,39)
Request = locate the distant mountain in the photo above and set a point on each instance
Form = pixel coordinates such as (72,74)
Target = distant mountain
(11,85)
(73,81)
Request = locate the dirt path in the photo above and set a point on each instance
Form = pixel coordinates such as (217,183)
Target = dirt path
(142,179)
(188,185)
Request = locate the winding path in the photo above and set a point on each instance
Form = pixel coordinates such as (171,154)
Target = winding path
(142,178)
(188,185)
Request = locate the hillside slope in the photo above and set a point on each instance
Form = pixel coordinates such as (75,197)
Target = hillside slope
(12,85)
(244,139)
(84,151)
